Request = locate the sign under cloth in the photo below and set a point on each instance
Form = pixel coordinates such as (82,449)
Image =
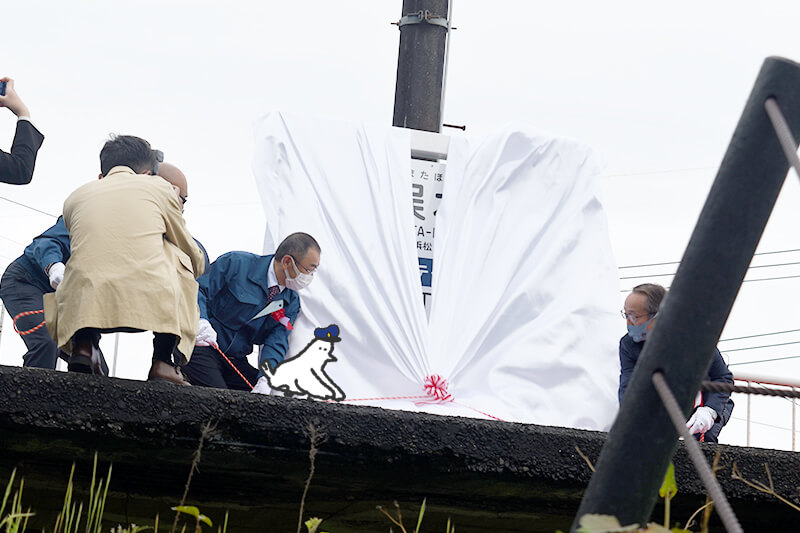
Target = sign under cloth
(522,323)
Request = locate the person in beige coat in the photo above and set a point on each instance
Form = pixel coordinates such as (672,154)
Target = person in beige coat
(133,263)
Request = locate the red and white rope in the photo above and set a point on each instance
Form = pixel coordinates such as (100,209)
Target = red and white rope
(233,366)
(28,313)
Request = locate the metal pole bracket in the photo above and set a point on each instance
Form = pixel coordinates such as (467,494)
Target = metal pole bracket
(425,17)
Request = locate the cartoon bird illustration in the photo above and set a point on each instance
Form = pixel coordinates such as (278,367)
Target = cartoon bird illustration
(304,374)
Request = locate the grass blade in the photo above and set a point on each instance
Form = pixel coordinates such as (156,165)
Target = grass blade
(421,513)
(8,491)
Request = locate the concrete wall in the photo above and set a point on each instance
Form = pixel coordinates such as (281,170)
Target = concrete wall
(485,475)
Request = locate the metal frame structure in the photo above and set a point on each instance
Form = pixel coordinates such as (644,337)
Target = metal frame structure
(642,441)
(792,384)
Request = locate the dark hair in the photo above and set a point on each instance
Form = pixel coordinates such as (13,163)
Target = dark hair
(297,245)
(654,293)
(128,151)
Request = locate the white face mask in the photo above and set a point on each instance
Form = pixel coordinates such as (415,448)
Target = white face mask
(300,280)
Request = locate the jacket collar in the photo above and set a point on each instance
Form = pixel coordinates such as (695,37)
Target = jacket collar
(119,169)
(272,278)
(260,273)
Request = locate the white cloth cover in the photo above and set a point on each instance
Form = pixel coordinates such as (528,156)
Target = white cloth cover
(525,287)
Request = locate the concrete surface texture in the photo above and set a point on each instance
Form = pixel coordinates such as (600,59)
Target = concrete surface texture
(483,475)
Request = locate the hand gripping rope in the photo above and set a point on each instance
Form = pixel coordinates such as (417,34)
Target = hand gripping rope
(28,313)
(280,316)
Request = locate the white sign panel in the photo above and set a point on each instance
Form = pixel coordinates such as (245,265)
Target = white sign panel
(427,181)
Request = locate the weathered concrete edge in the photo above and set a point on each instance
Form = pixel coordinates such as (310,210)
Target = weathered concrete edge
(159,416)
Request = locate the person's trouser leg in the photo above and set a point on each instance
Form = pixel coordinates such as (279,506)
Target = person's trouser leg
(205,368)
(163,368)
(233,379)
(712,435)
(102,361)
(19,294)
(84,342)
(88,343)
(163,345)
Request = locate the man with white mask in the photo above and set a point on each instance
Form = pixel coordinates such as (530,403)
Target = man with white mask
(712,410)
(247,299)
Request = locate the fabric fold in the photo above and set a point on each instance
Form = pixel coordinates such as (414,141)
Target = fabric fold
(522,326)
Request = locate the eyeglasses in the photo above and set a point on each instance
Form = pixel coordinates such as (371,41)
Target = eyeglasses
(633,318)
(184,199)
(308,270)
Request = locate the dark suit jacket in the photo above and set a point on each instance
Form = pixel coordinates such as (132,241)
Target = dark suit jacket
(629,352)
(17,167)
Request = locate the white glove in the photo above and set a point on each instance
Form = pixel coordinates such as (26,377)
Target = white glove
(56,274)
(206,336)
(702,420)
(262,386)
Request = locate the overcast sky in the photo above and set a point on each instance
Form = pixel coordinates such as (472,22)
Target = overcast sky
(655,88)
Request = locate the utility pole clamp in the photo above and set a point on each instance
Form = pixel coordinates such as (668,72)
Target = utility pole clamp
(423,17)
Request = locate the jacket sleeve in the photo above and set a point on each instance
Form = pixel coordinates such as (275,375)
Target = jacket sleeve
(17,167)
(206,262)
(276,345)
(627,361)
(718,373)
(52,246)
(210,283)
(178,234)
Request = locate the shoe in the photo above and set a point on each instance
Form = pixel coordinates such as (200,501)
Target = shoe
(81,358)
(161,371)
(79,363)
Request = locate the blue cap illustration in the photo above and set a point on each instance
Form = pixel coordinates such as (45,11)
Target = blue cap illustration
(330,334)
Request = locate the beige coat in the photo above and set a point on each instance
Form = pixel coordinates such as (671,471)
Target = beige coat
(133,262)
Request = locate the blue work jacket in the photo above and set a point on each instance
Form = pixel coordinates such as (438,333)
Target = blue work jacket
(235,289)
(52,246)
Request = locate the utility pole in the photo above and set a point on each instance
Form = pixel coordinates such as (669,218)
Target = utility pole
(423,28)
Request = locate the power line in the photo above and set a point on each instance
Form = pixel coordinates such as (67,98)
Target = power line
(28,207)
(743,281)
(790,400)
(673,273)
(777,252)
(759,335)
(774,265)
(678,262)
(765,360)
(763,346)
(762,424)
(770,279)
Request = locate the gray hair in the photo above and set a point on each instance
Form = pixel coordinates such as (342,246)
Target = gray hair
(654,293)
